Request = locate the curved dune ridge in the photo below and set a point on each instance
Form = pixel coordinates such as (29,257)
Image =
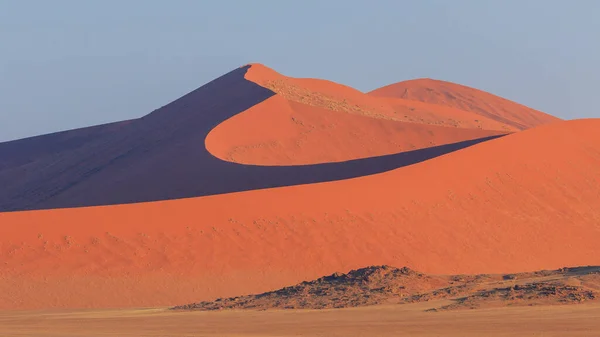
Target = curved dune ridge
(523,202)
(163,155)
(312,121)
(337,97)
(458,96)
(292,133)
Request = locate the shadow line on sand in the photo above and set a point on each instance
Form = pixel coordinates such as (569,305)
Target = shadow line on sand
(162,156)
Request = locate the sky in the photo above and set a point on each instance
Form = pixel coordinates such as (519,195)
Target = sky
(66,64)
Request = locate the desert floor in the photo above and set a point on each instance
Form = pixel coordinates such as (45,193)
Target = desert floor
(397,320)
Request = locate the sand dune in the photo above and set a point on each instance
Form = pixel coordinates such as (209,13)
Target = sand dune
(292,133)
(163,156)
(338,97)
(468,99)
(526,201)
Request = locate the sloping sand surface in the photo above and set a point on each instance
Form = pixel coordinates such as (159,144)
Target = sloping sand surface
(312,121)
(338,97)
(468,99)
(282,132)
(162,156)
(527,201)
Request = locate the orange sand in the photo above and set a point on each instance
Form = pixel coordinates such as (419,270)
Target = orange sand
(468,99)
(527,201)
(312,121)
(337,97)
(292,133)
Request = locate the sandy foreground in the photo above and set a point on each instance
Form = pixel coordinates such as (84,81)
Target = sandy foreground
(397,320)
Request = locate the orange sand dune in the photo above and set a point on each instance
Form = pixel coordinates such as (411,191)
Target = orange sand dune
(292,133)
(527,201)
(313,121)
(338,97)
(469,99)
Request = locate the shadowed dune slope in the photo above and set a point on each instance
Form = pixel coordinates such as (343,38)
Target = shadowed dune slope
(19,154)
(312,121)
(159,156)
(523,202)
(162,156)
(465,98)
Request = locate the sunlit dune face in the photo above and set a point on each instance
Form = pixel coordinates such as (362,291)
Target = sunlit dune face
(239,209)
(292,133)
(527,201)
(312,121)
(468,99)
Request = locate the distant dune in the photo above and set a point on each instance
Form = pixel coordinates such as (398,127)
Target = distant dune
(337,97)
(164,155)
(468,99)
(292,133)
(523,202)
(257,180)
(311,121)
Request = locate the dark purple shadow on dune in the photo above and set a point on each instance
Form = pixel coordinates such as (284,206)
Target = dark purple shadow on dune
(162,156)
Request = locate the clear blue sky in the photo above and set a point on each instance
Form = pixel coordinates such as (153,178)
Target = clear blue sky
(73,63)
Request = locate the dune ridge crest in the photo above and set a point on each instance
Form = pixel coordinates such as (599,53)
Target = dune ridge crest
(310,121)
(526,201)
(465,98)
